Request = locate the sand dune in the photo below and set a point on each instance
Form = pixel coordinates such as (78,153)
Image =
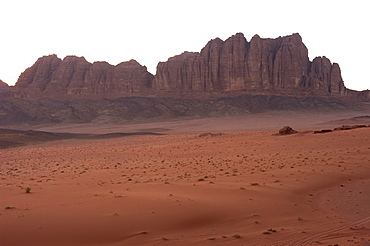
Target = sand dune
(237,188)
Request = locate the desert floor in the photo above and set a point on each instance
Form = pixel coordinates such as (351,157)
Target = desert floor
(246,186)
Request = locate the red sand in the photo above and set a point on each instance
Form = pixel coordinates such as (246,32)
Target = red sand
(181,189)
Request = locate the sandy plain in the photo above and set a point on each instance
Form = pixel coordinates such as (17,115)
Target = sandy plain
(246,186)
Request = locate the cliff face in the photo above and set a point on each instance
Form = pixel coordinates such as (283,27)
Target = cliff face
(75,76)
(261,64)
(325,76)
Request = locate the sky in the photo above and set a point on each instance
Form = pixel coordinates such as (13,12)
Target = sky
(151,31)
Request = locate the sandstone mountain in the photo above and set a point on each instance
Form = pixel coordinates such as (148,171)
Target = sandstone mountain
(262,66)
(277,65)
(73,75)
(231,77)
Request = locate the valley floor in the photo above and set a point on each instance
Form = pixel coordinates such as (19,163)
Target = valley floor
(237,188)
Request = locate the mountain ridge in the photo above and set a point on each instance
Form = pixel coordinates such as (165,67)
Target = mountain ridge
(231,77)
(264,65)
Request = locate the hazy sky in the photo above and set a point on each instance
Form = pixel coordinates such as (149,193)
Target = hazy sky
(154,30)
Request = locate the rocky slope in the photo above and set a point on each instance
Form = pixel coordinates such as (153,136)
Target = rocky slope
(142,109)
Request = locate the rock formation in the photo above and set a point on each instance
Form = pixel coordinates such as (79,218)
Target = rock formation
(262,66)
(280,64)
(231,77)
(287,130)
(75,76)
